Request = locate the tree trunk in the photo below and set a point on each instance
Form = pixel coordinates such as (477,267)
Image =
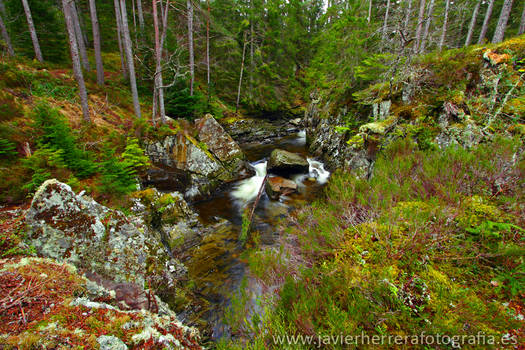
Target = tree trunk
(190,44)
(499,34)
(158,94)
(419,27)
(32,31)
(2,8)
(96,42)
(408,15)
(80,39)
(141,15)
(5,36)
(369,11)
(73,47)
(129,58)
(385,23)
(522,23)
(242,71)
(118,19)
(445,23)
(486,21)
(427,26)
(208,81)
(472,24)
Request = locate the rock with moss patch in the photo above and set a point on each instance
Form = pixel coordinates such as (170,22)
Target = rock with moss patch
(66,226)
(284,162)
(203,154)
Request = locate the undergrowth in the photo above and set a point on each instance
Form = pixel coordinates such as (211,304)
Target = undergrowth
(433,243)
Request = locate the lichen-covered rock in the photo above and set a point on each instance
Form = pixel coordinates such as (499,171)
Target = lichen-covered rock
(219,143)
(336,149)
(202,163)
(284,162)
(110,342)
(66,226)
(171,216)
(277,186)
(247,130)
(379,128)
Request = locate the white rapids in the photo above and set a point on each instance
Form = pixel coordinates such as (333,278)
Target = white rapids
(248,189)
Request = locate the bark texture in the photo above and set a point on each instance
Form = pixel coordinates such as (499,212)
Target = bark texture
(486,21)
(128,48)
(32,31)
(499,33)
(73,47)
(96,42)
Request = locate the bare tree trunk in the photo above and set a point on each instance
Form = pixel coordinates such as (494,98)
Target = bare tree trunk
(472,24)
(80,39)
(73,47)
(96,42)
(522,23)
(419,27)
(486,21)
(408,15)
(242,71)
(2,8)
(208,50)
(32,31)
(369,11)
(118,18)
(159,91)
(445,23)
(141,15)
(5,36)
(499,34)
(190,44)
(129,58)
(427,26)
(385,24)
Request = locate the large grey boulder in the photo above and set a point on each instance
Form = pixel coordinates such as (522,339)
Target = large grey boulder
(219,143)
(202,155)
(65,226)
(284,162)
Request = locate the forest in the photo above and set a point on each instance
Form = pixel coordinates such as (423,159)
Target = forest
(249,174)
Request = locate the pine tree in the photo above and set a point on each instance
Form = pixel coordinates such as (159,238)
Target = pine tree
(96,42)
(32,31)
(128,48)
(486,21)
(5,36)
(499,33)
(77,70)
(472,25)
(190,44)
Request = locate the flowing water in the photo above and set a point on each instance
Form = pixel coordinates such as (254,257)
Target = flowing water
(216,266)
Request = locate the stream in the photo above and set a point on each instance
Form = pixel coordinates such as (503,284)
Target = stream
(215,266)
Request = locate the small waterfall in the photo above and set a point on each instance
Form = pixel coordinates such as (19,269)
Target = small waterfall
(301,136)
(318,171)
(248,189)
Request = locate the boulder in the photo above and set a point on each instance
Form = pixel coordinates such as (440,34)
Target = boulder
(169,214)
(65,226)
(296,122)
(277,186)
(198,164)
(219,143)
(284,162)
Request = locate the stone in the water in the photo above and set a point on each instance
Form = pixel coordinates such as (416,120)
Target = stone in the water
(277,186)
(283,163)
